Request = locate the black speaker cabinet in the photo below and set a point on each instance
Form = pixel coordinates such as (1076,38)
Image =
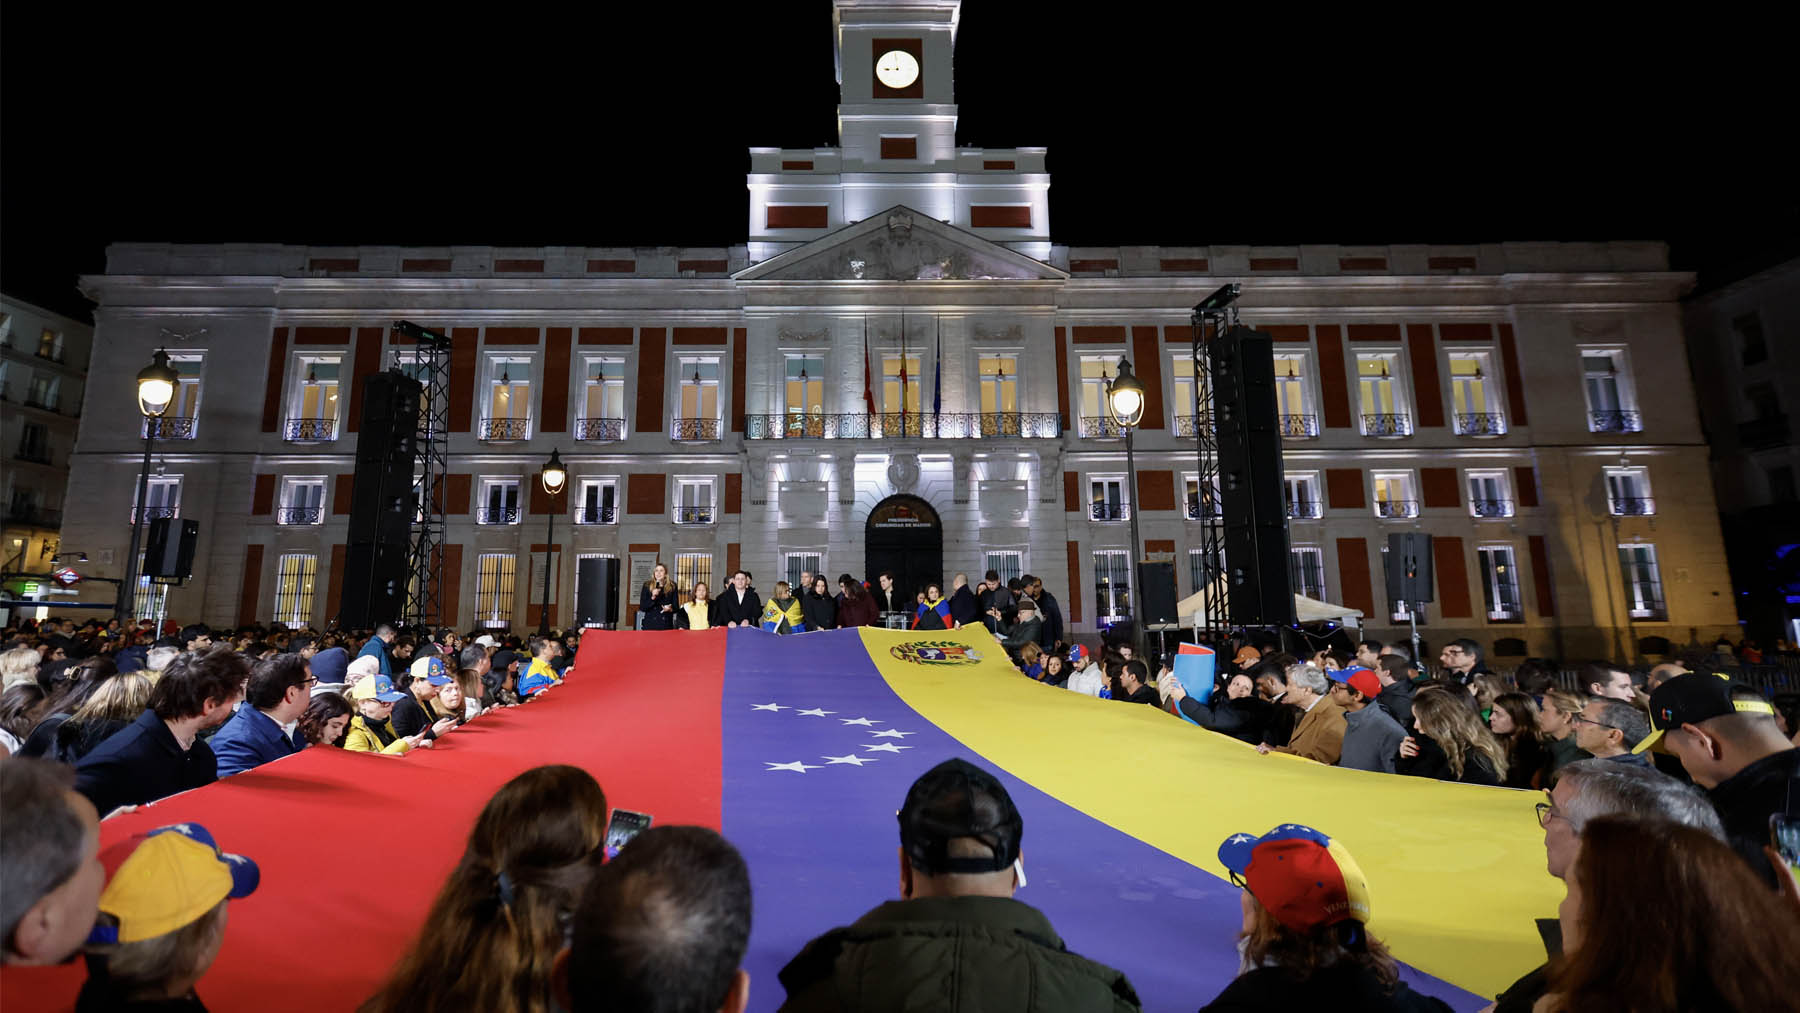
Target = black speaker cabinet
(1409,567)
(170,549)
(377,556)
(1251,493)
(1156,593)
(596,591)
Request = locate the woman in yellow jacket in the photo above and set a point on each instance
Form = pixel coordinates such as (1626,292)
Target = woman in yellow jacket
(370,730)
(696,614)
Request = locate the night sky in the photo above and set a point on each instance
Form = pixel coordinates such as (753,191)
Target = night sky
(310,124)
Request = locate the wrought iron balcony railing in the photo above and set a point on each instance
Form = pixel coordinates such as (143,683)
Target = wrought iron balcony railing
(300,515)
(1633,506)
(497,515)
(1615,422)
(600,429)
(309,430)
(1101,427)
(154,512)
(1194,509)
(1310,581)
(1508,609)
(1387,424)
(1189,426)
(1480,424)
(1491,507)
(504,430)
(1396,508)
(1650,609)
(915,425)
(1299,427)
(1110,511)
(694,430)
(694,515)
(595,514)
(1305,510)
(169,428)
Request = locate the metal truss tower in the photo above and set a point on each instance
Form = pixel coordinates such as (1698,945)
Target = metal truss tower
(431,467)
(1211,318)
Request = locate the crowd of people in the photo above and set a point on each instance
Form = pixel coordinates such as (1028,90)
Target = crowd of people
(1659,791)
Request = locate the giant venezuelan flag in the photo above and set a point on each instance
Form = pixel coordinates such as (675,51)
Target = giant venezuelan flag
(800,749)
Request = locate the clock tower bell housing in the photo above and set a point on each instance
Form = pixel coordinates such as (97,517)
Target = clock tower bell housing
(896,117)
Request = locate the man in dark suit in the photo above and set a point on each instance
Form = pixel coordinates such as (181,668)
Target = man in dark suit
(161,753)
(266,727)
(888,597)
(1052,632)
(739,605)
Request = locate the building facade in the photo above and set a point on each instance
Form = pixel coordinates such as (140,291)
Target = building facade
(43,373)
(1746,362)
(900,370)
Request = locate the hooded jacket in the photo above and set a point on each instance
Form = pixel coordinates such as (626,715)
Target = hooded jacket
(950,953)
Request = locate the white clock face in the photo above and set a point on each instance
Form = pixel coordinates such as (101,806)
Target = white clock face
(897,68)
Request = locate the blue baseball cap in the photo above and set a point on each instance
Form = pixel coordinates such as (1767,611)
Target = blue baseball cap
(432,671)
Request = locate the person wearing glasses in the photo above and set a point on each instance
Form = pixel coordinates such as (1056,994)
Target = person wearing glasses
(1610,730)
(267,726)
(1591,789)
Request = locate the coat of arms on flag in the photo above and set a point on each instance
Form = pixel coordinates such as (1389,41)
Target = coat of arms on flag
(935,652)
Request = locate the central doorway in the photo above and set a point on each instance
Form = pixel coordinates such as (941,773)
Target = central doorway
(905,538)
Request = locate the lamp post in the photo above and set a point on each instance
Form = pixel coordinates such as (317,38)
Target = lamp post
(155,390)
(1125,398)
(554,477)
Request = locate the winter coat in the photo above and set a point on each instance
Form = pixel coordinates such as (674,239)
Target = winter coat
(366,735)
(1371,740)
(819,610)
(1319,734)
(1342,988)
(252,738)
(727,609)
(141,763)
(1243,719)
(859,611)
(650,607)
(1433,762)
(964,608)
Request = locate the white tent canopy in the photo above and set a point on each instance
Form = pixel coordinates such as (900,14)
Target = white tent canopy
(1193,608)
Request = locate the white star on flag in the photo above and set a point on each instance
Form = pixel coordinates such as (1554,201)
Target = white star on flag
(1241,838)
(891,734)
(768,707)
(855,761)
(814,712)
(884,747)
(797,767)
(859,721)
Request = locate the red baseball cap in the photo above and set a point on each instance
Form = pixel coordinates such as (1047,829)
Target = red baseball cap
(1304,878)
(1357,678)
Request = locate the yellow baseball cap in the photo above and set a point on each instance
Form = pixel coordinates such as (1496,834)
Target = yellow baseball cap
(175,875)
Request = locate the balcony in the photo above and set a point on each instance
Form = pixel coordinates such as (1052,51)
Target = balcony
(1633,506)
(1195,510)
(596,514)
(300,515)
(33,517)
(1761,433)
(1479,424)
(1100,427)
(694,430)
(601,430)
(1387,425)
(1305,510)
(309,430)
(918,425)
(503,430)
(1109,511)
(1491,507)
(497,515)
(1299,427)
(1508,609)
(694,515)
(1396,508)
(1650,610)
(169,428)
(1189,426)
(155,512)
(1615,422)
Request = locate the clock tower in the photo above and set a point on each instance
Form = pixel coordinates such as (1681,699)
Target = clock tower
(897,143)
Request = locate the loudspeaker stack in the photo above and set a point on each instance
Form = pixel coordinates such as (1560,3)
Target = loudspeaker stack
(377,563)
(1251,492)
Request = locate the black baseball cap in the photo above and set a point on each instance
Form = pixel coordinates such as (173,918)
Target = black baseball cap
(1692,698)
(958,799)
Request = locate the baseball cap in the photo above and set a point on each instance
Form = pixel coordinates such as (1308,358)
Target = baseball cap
(1357,678)
(174,875)
(1693,698)
(1304,878)
(487,641)
(502,659)
(1077,653)
(378,687)
(431,670)
(958,799)
(1246,653)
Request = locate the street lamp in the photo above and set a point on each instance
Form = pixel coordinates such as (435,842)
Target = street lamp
(554,476)
(1125,398)
(155,390)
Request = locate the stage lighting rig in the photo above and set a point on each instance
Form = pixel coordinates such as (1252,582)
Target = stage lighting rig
(438,342)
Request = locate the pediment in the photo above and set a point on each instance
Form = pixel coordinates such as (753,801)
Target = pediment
(901,244)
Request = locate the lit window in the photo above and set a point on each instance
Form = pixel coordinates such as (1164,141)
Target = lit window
(1293,397)
(509,399)
(1183,393)
(693,568)
(1193,506)
(1106,498)
(1500,584)
(693,500)
(603,402)
(152,599)
(294,579)
(1628,492)
(499,501)
(1008,563)
(1490,494)
(804,397)
(1643,581)
(50,344)
(1384,411)
(999,383)
(1096,416)
(1112,585)
(1394,494)
(1611,401)
(162,498)
(1475,413)
(314,405)
(902,391)
(699,418)
(1307,564)
(494,574)
(1303,496)
(598,501)
(302,501)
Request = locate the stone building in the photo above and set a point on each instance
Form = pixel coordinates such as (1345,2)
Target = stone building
(43,369)
(899,369)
